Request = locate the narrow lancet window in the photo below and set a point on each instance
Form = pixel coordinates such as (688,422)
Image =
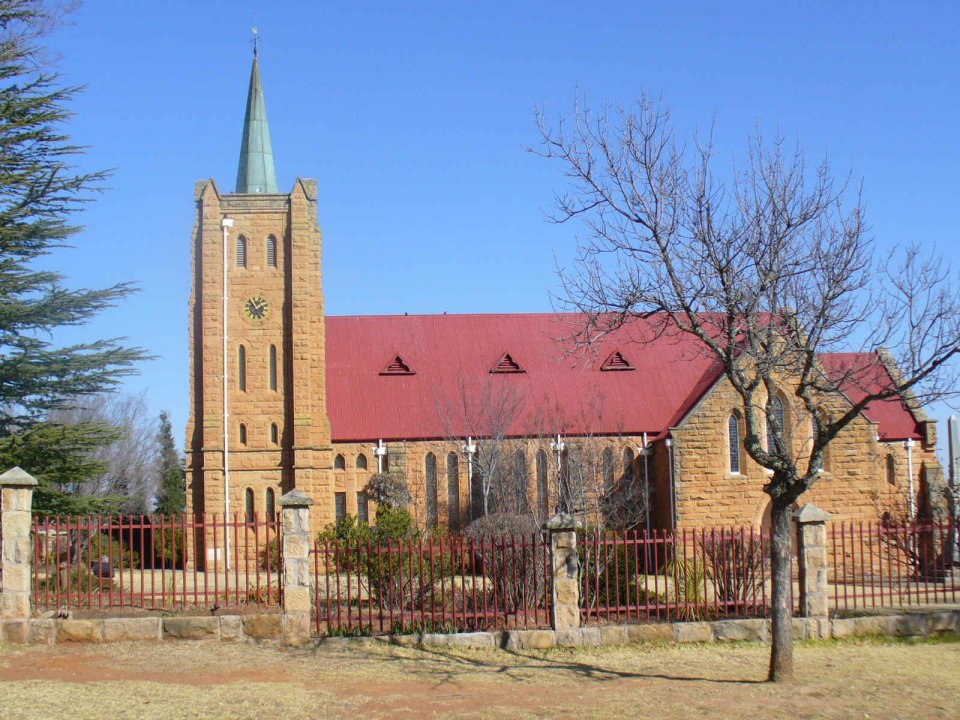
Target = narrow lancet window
(733,439)
(242,368)
(273,367)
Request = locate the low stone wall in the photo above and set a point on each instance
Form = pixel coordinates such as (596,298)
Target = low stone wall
(234,628)
(147,629)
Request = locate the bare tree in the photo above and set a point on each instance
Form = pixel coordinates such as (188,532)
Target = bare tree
(485,415)
(599,478)
(766,271)
(132,461)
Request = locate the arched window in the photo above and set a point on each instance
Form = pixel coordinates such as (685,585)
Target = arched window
(776,414)
(242,368)
(628,466)
(274,434)
(241,251)
(361,462)
(243,434)
(476,494)
(609,467)
(270,505)
(543,492)
(825,457)
(339,463)
(453,491)
(272,251)
(430,469)
(273,367)
(891,469)
(248,505)
(522,478)
(733,443)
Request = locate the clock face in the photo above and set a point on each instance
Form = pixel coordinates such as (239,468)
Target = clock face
(257,307)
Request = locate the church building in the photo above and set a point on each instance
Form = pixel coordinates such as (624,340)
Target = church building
(283,396)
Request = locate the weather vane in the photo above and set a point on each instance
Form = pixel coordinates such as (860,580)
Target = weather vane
(256,40)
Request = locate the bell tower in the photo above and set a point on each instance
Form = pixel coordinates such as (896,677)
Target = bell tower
(258,410)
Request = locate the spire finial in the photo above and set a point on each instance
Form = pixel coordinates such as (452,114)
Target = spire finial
(256,40)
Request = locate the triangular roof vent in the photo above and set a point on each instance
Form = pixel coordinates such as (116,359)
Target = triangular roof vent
(616,361)
(397,367)
(506,364)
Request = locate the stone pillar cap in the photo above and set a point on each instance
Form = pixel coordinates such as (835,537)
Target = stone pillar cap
(810,513)
(17,477)
(295,498)
(563,521)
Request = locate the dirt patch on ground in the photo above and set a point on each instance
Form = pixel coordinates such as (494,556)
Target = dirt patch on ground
(870,679)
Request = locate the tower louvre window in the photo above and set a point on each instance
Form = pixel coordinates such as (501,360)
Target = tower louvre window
(274,433)
(272,251)
(273,367)
(243,434)
(241,251)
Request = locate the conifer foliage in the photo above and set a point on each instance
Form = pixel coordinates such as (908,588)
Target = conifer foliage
(172,496)
(40,192)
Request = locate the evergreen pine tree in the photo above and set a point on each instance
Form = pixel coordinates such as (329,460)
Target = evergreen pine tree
(172,497)
(40,190)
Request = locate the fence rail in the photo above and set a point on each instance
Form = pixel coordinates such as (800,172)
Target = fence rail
(664,576)
(429,585)
(156,562)
(877,565)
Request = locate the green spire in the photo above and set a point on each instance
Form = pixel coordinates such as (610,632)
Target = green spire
(256,173)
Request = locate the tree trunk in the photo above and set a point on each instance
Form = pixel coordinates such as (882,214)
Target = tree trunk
(781,649)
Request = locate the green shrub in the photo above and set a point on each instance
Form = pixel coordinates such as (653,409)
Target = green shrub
(269,558)
(386,557)
(103,546)
(168,544)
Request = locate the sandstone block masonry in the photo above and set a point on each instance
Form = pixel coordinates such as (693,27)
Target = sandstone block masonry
(279,434)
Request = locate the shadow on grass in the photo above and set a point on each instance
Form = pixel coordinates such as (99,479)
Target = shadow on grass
(446,665)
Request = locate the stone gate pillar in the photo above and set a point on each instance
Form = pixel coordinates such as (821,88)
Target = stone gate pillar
(812,559)
(565,600)
(297,542)
(16,497)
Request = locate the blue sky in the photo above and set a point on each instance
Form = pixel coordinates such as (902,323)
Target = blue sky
(414,118)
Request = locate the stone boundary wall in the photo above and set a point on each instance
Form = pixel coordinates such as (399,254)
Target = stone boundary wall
(258,628)
(39,631)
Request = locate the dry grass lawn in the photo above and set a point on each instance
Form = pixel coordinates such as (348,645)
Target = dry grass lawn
(854,679)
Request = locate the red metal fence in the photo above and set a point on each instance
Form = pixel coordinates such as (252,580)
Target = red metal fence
(156,563)
(664,576)
(432,585)
(876,565)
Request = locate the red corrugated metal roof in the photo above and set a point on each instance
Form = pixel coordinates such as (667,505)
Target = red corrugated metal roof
(448,389)
(861,373)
